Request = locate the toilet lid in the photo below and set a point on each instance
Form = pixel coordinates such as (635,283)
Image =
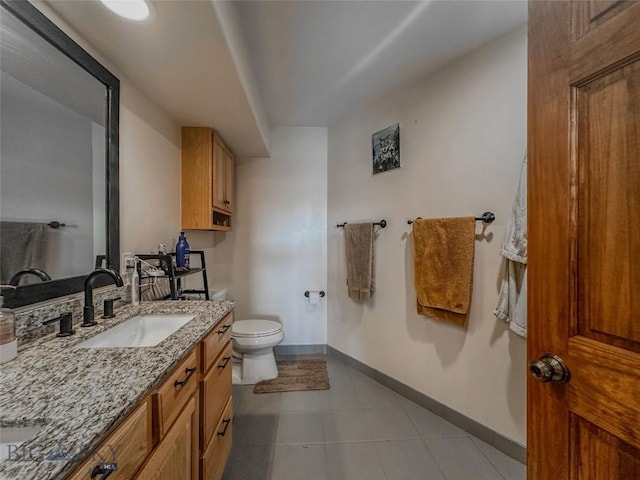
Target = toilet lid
(255,328)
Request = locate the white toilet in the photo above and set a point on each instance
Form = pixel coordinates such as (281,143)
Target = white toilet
(253,342)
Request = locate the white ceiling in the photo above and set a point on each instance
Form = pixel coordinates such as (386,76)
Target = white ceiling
(181,59)
(315,61)
(243,66)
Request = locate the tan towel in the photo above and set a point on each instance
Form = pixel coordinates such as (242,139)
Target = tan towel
(359,246)
(443,267)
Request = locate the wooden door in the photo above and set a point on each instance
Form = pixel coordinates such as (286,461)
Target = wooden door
(584,238)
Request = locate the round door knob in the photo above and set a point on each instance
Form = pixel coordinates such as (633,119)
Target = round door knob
(549,368)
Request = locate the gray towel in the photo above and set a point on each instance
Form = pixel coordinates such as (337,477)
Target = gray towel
(360,260)
(22,245)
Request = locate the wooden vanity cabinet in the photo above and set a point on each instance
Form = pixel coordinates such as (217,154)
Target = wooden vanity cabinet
(191,413)
(182,430)
(207,180)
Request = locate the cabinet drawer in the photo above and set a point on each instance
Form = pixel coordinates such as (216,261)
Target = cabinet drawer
(215,390)
(213,461)
(127,446)
(174,393)
(217,338)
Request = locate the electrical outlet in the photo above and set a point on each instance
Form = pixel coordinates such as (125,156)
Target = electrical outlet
(128,262)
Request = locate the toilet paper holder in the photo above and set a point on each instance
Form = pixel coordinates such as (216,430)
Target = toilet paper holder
(321,293)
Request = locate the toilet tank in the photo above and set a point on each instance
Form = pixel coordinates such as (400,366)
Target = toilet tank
(218,295)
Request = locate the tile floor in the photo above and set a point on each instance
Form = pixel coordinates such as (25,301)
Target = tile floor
(357,430)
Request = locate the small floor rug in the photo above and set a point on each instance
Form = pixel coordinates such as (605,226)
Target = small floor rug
(297,375)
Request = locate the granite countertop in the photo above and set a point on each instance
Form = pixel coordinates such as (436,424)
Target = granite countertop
(78,394)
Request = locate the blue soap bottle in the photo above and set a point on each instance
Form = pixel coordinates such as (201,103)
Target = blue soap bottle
(182,252)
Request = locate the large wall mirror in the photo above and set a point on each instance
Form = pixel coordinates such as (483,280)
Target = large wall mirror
(58,159)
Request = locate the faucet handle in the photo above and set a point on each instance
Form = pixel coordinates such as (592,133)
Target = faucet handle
(108,307)
(66,324)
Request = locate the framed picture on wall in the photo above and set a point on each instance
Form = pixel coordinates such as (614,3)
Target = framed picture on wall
(386,149)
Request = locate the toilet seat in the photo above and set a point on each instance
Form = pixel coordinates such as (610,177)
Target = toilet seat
(255,328)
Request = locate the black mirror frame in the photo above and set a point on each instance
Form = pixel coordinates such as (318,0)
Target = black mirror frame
(39,23)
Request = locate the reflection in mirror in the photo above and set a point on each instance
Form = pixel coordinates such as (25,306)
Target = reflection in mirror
(58,169)
(53,159)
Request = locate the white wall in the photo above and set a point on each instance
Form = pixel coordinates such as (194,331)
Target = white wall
(278,246)
(463,136)
(149,174)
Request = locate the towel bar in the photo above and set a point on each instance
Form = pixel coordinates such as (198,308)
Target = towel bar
(487,217)
(382,223)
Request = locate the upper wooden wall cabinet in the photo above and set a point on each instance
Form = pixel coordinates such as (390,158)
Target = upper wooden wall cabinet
(207,180)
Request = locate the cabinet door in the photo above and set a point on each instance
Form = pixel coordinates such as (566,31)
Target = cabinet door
(196,178)
(128,447)
(218,199)
(176,457)
(229,178)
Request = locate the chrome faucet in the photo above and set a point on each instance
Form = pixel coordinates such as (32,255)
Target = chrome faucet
(36,272)
(87,312)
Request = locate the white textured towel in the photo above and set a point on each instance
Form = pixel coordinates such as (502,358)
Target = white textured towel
(512,299)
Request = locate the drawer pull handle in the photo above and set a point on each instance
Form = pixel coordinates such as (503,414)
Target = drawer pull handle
(224,329)
(225,361)
(226,422)
(182,383)
(104,469)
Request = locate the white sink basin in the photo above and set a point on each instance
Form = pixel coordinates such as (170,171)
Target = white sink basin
(10,440)
(141,331)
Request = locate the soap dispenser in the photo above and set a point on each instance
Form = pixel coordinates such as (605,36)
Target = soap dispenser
(182,252)
(135,283)
(8,342)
